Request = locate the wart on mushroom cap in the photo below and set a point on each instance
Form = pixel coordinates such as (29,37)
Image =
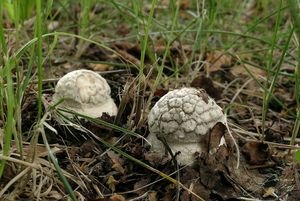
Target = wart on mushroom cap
(183,117)
(85,92)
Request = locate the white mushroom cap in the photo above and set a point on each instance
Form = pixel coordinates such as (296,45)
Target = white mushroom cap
(85,92)
(183,117)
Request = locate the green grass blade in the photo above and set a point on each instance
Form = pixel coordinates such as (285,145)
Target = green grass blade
(294,8)
(10,115)
(101,122)
(146,36)
(266,99)
(7,95)
(3,53)
(56,165)
(166,52)
(2,37)
(264,88)
(38,30)
(297,156)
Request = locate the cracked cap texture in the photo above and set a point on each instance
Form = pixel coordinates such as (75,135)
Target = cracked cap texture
(85,92)
(183,117)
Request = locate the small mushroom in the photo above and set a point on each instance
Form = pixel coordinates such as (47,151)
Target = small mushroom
(183,117)
(85,92)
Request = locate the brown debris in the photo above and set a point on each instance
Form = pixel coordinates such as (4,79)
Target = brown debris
(152,196)
(156,159)
(117,162)
(257,153)
(207,84)
(123,30)
(117,198)
(139,184)
(217,60)
(160,92)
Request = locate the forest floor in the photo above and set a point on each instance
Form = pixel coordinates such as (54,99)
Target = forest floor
(230,67)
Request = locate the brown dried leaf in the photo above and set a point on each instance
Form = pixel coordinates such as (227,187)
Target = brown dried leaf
(216,134)
(117,161)
(139,184)
(117,198)
(55,195)
(216,60)
(184,4)
(67,66)
(152,196)
(129,58)
(269,192)
(239,70)
(207,84)
(160,92)
(42,150)
(128,51)
(86,148)
(257,153)
(99,67)
(123,30)
(167,196)
(111,182)
(156,158)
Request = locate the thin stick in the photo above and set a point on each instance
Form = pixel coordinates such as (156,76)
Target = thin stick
(234,142)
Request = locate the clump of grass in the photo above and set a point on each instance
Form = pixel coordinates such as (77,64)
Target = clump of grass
(294,7)
(270,88)
(19,10)
(7,99)
(84,26)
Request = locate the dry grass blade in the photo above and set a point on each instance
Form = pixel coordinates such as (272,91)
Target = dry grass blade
(14,180)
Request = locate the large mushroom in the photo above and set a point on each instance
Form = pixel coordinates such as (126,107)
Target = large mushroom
(183,117)
(85,92)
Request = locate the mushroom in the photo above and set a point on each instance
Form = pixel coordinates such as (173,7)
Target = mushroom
(85,92)
(183,117)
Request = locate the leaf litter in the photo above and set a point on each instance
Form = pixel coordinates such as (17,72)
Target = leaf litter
(267,169)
